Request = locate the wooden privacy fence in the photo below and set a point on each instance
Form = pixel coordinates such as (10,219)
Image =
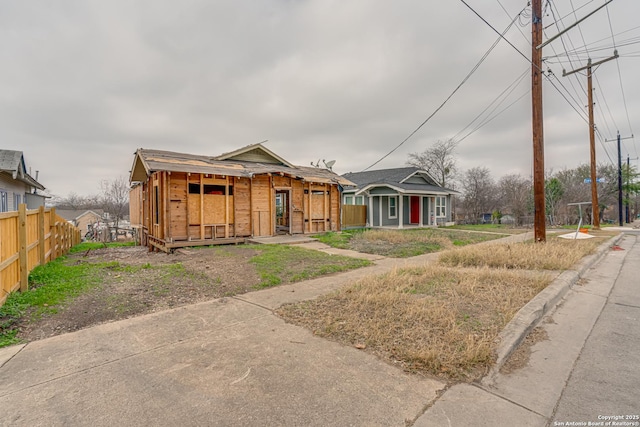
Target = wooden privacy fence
(29,238)
(354,216)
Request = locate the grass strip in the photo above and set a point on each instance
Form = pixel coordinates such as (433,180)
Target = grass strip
(277,264)
(432,320)
(555,254)
(403,243)
(49,286)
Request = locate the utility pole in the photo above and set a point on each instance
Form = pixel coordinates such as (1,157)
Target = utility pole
(595,207)
(539,222)
(619,183)
(627,192)
(618,139)
(536,103)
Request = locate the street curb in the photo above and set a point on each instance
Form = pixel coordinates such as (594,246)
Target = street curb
(528,316)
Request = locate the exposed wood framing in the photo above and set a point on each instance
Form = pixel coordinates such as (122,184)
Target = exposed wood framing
(226,209)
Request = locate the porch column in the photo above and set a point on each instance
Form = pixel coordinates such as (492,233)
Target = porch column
(400,209)
(380,206)
(421,211)
(432,208)
(370,211)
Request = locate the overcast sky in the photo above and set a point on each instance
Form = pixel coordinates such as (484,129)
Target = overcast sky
(87,82)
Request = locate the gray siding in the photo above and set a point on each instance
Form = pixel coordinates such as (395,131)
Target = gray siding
(376,212)
(383,190)
(386,221)
(416,179)
(406,210)
(12,187)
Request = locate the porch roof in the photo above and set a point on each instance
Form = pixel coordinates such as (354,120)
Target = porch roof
(404,188)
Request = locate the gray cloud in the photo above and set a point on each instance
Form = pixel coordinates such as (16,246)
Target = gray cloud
(85,83)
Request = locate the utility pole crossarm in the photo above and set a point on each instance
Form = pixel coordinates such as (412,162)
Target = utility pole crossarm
(540,46)
(595,64)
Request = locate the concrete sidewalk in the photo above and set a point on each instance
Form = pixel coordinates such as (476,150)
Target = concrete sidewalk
(529,396)
(232,362)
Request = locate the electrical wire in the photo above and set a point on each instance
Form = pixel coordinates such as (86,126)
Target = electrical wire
(624,98)
(512,86)
(570,13)
(466,78)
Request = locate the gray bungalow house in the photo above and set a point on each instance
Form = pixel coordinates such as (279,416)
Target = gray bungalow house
(16,185)
(399,197)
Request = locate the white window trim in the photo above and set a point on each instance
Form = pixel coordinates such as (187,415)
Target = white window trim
(348,200)
(4,201)
(395,199)
(441,209)
(358,200)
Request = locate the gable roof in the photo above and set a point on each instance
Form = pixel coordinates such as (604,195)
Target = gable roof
(148,161)
(75,214)
(397,175)
(397,179)
(12,162)
(254,152)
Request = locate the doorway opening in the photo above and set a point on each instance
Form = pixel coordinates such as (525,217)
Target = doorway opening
(283,211)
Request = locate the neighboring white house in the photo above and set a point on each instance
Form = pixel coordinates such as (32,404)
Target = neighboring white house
(16,185)
(399,197)
(83,219)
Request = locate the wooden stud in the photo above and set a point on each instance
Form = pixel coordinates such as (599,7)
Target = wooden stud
(310,214)
(251,206)
(202,208)
(272,203)
(167,208)
(226,209)
(187,203)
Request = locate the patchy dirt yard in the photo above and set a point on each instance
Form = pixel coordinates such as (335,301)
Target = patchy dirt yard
(130,281)
(138,282)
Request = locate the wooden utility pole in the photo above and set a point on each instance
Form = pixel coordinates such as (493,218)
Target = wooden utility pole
(539,222)
(595,207)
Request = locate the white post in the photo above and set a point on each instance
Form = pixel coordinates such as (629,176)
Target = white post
(421,213)
(400,210)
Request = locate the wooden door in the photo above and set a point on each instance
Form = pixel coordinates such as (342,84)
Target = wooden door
(415,210)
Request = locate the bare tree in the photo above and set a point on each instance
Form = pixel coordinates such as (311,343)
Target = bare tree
(114,198)
(439,160)
(576,190)
(479,192)
(75,202)
(516,196)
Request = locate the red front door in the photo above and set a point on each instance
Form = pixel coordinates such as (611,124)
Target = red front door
(415,209)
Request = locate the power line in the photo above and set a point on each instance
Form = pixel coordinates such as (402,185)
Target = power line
(496,31)
(489,120)
(570,13)
(508,89)
(473,70)
(624,98)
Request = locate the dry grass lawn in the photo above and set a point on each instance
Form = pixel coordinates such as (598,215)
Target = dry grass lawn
(442,319)
(555,254)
